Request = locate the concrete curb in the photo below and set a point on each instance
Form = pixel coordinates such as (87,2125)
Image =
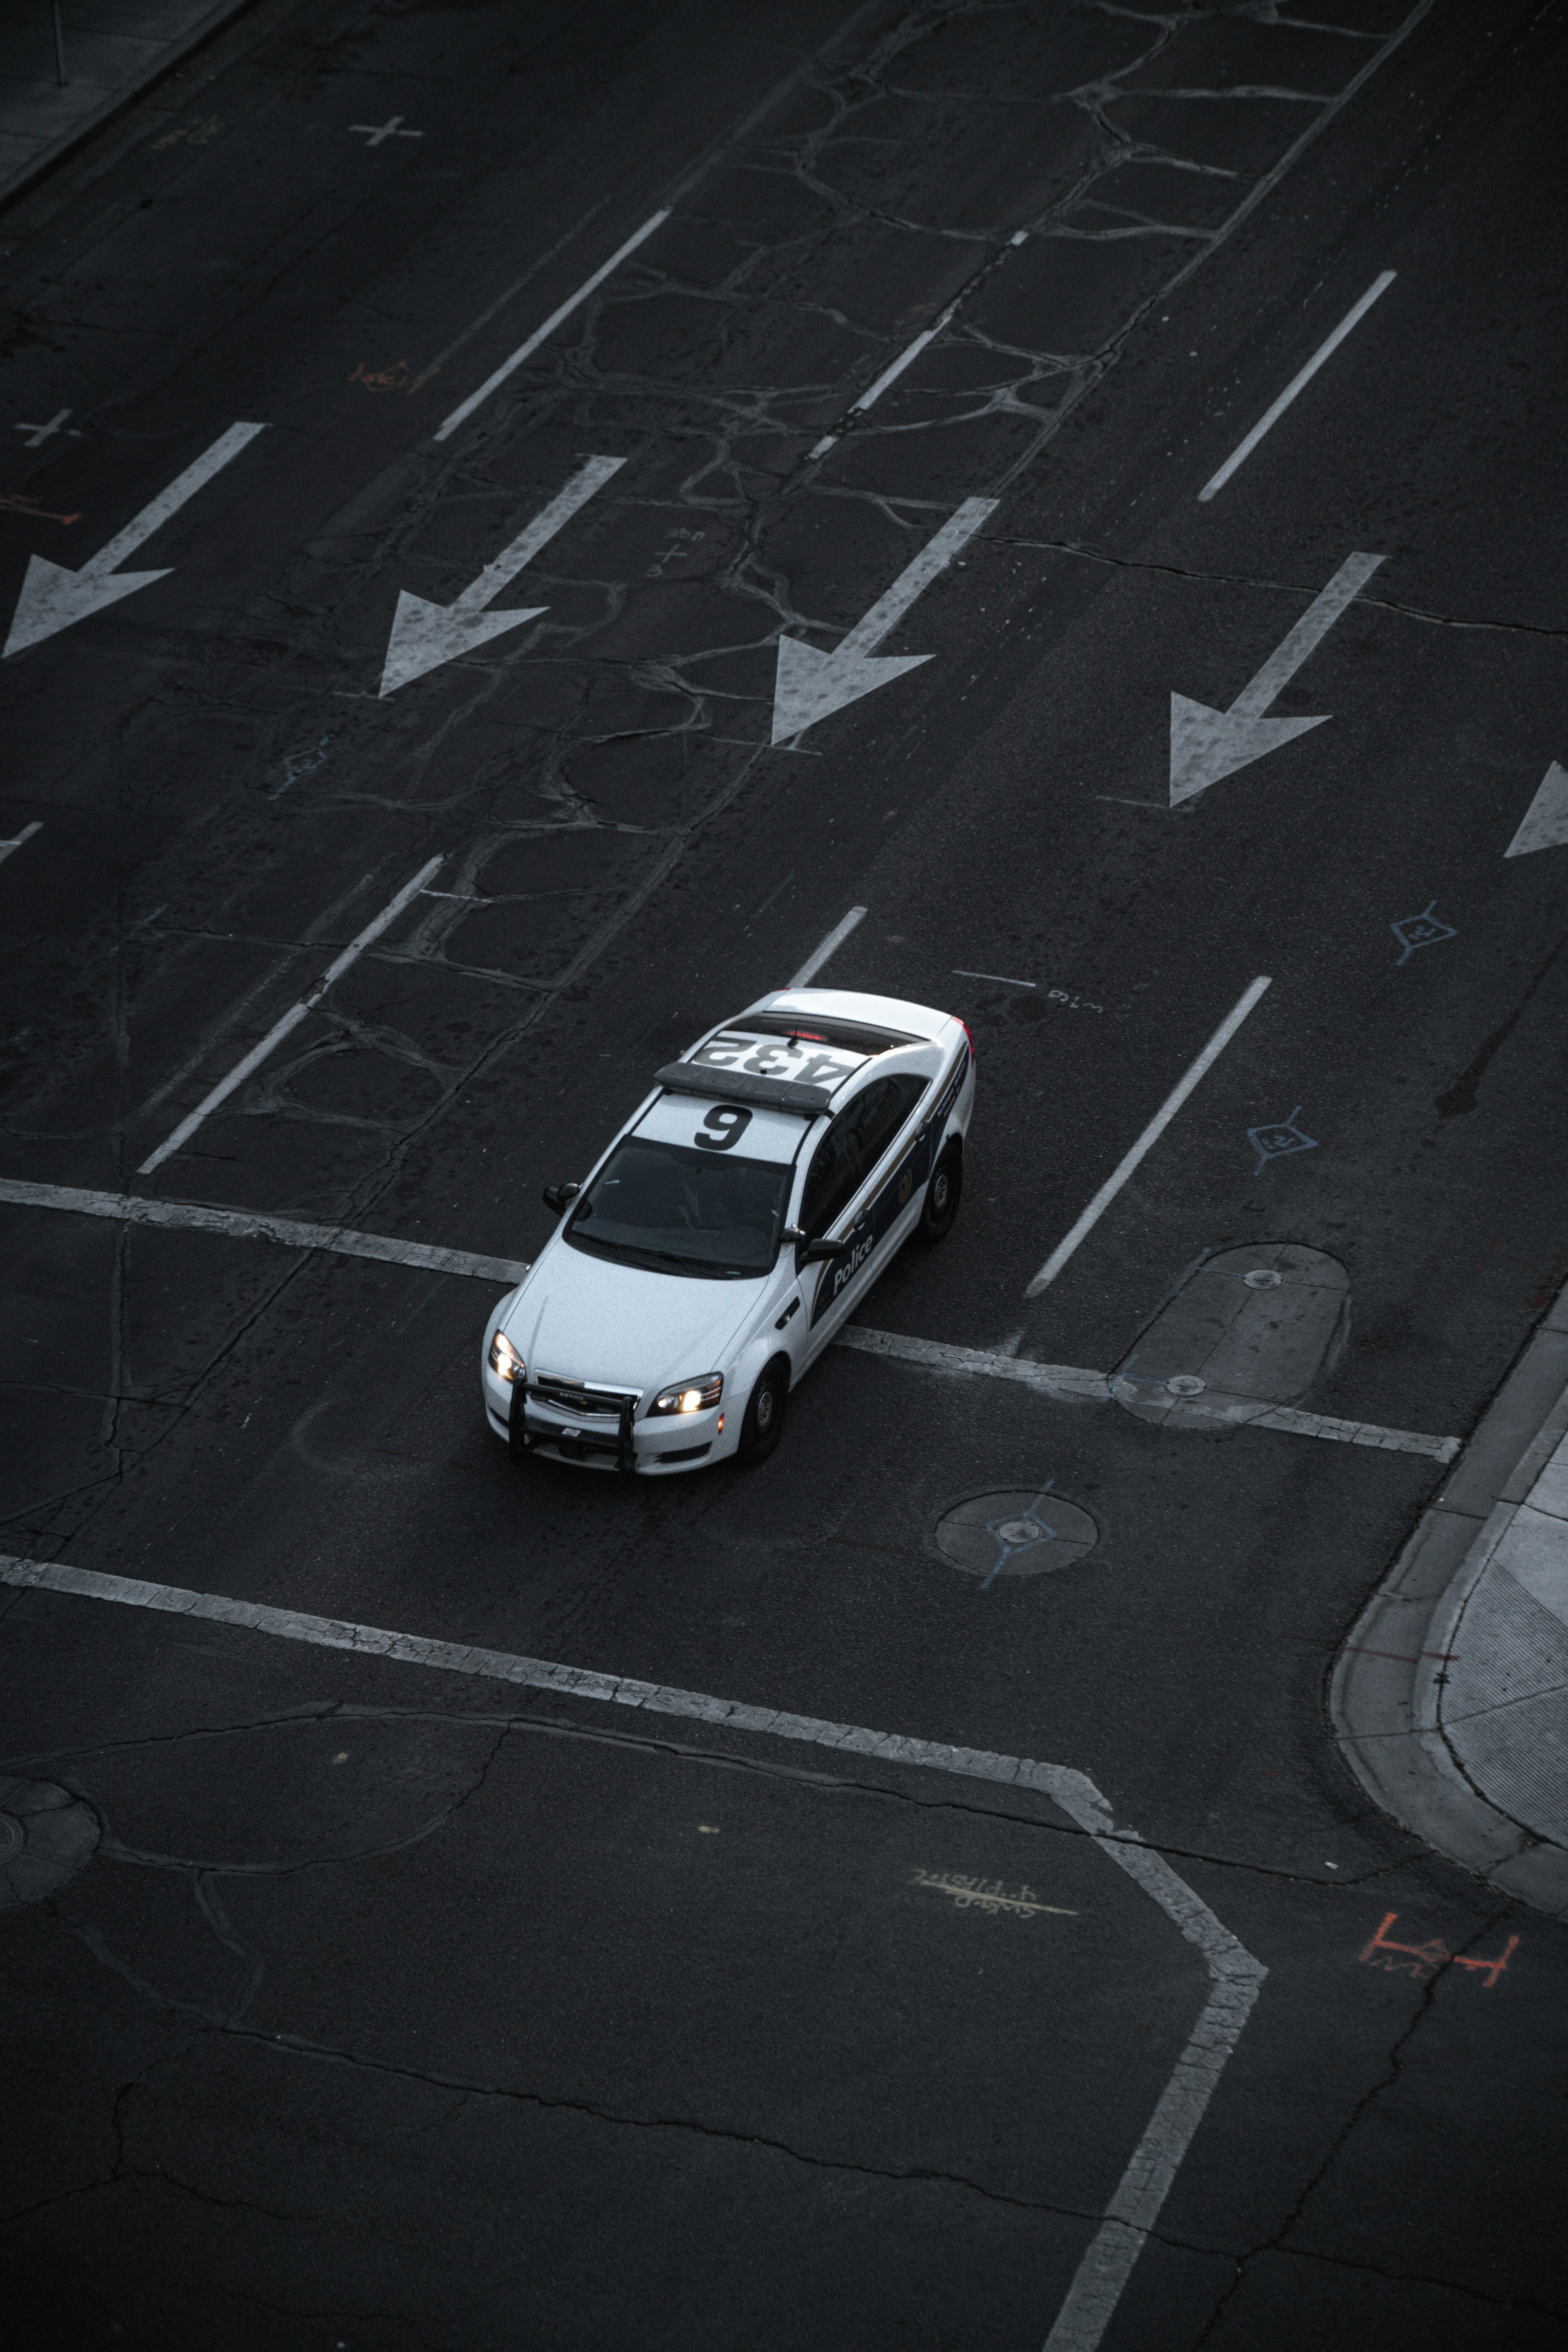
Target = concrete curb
(116,101)
(1386,1690)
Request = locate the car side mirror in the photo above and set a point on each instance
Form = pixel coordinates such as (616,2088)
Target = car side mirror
(813,1251)
(558,1196)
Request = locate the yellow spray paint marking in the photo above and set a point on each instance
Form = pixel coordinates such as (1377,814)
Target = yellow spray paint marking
(986,1894)
(707,1828)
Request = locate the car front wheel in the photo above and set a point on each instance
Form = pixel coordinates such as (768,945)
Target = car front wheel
(942,1194)
(764,1423)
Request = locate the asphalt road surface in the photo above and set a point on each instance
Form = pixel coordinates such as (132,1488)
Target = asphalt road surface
(427,1994)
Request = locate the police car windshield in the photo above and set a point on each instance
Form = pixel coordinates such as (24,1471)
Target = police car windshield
(676,1211)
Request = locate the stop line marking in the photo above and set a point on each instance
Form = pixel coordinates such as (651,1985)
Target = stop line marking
(1236,1978)
(1064,1383)
(255,1224)
(1071,1385)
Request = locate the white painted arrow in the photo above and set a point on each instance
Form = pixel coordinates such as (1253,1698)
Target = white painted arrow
(1545,823)
(808,686)
(1208,744)
(425,635)
(52,597)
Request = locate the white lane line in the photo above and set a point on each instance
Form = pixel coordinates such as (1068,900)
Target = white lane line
(1068,1384)
(830,946)
(525,350)
(290,1019)
(1149,1137)
(248,1224)
(1271,417)
(18,839)
(1236,1978)
(961,971)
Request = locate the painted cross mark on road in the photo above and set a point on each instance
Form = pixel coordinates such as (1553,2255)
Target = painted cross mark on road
(38,434)
(375,133)
(1423,930)
(301,764)
(1279,1139)
(1424,1960)
(990,1895)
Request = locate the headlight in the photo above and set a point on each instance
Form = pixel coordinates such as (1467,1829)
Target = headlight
(691,1396)
(505,1361)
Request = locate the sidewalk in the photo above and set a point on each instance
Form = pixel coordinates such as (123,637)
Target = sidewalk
(1449,1700)
(113,50)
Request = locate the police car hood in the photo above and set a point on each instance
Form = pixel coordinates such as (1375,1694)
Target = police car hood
(591,1319)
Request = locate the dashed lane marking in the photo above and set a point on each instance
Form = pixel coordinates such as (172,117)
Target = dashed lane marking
(250,1062)
(1298,382)
(245,1224)
(525,350)
(829,946)
(1236,1978)
(18,839)
(1068,1382)
(1149,1137)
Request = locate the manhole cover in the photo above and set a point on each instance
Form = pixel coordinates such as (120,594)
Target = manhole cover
(46,1835)
(1018,1532)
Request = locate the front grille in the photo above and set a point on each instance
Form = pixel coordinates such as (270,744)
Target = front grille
(590,1399)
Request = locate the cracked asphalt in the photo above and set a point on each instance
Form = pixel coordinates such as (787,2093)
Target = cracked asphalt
(397,2008)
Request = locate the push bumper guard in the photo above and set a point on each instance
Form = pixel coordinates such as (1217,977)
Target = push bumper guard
(573,1441)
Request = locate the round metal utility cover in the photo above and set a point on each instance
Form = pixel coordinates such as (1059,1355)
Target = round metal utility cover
(46,1835)
(1018,1532)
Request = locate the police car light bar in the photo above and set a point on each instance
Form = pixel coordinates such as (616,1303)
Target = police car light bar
(742,1087)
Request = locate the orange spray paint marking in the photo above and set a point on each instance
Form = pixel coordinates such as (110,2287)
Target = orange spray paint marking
(392,379)
(20,504)
(1416,1960)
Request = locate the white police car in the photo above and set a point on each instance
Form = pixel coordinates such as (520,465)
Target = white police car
(739,1217)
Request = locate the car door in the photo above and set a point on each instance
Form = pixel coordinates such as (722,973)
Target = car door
(848,1154)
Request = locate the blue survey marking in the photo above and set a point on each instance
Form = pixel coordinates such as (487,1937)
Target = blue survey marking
(1276,1142)
(300,763)
(1423,930)
(1011,1537)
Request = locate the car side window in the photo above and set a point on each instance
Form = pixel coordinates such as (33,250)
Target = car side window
(884,1108)
(852,1147)
(830,1179)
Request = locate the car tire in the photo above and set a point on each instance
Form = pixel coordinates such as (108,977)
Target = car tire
(943,1195)
(765,1417)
